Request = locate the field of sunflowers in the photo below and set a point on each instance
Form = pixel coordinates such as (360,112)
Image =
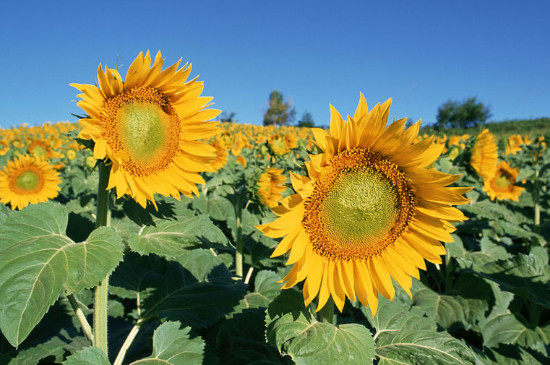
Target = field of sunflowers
(147,233)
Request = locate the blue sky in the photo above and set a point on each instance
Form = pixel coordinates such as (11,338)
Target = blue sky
(420,53)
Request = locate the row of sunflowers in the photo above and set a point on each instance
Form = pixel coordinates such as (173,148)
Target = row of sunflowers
(48,149)
(148,233)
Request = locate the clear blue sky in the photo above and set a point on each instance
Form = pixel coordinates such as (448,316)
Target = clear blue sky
(420,53)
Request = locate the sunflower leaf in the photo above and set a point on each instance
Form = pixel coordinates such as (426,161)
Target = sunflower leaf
(179,290)
(172,345)
(502,326)
(88,356)
(38,261)
(266,288)
(405,336)
(171,238)
(294,331)
(525,275)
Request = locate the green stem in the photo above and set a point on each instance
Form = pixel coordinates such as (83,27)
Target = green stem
(536,199)
(239,235)
(326,314)
(102,290)
(86,328)
(128,342)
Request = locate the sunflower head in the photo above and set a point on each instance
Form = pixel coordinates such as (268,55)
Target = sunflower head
(28,180)
(150,127)
(484,155)
(367,211)
(501,185)
(270,186)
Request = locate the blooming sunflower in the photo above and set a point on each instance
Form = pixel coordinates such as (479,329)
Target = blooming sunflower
(367,212)
(270,186)
(501,185)
(221,154)
(513,145)
(484,157)
(149,127)
(28,180)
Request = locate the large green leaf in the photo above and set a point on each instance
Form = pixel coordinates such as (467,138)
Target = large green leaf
(173,346)
(171,238)
(450,310)
(502,326)
(57,333)
(88,356)
(38,261)
(180,290)
(295,332)
(525,275)
(266,288)
(405,336)
(241,340)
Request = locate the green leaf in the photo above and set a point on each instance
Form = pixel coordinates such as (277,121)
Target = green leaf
(450,310)
(171,238)
(38,261)
(525,275)
(405,336)
(502,326)
(294,331)
(266,288)
(88,356)
(241,340)
(217,207)
(489,210)
(180,290)
(172,345)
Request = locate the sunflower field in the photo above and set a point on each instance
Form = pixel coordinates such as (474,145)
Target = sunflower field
(148,233)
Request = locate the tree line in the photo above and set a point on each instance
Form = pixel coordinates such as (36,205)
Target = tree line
(452,114)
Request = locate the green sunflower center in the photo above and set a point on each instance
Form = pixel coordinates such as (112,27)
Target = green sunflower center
(143,128)
(360,205)
(28,181)
(502,182)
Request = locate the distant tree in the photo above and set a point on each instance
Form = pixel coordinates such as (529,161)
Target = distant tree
(228,118)
(465,114)
(410,121)
(279,112)
(306,120)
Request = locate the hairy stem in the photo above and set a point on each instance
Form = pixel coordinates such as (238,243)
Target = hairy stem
(86,328)
(239,235)
(128,342)
(102,290)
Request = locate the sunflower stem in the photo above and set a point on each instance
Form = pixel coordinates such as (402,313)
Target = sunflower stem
(86,328)
(326,314)
(536,199)
(128,342)
(101,294)
(239,234)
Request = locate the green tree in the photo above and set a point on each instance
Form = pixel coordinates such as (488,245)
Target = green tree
(279,112)
(465,114)
(306,120)
(228,117)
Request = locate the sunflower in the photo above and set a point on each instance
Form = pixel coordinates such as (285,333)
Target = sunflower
(501,185)
(4,147)
(367,212)
(270,186)
(484,157)
(149,127)
(221,154)
(28,180)
(513,144)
